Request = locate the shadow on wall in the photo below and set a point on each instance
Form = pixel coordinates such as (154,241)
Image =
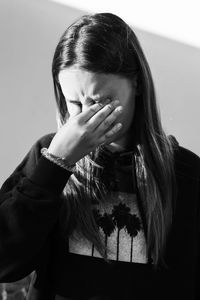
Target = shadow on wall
(29,33)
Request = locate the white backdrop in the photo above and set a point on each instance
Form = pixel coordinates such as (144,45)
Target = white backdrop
(175,19)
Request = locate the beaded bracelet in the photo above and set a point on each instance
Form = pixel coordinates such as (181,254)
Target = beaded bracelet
(62,162)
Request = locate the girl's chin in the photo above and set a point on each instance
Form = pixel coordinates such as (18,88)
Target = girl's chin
(122,141)
(115,147)
(118,144)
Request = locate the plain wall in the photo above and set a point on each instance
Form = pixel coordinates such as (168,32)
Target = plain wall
(29,32)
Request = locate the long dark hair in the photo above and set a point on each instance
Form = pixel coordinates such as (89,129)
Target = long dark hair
(104,43)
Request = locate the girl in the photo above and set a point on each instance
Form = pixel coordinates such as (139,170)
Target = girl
(108,206)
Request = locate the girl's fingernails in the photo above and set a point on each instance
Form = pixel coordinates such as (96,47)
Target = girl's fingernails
(118,126)
(119,109)
(116,102)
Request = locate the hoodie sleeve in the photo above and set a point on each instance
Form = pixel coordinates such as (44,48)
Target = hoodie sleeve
(29,207)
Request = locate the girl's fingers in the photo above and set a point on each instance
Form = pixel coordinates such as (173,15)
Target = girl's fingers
(91,111)
(114,130)
(110,133)
(107,123)
(96,113)
(103,115)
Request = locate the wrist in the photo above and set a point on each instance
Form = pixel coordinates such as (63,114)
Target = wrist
(59,160)
(61,153)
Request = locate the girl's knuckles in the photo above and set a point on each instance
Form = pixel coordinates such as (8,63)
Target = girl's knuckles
(106,122)
(94,109)
(102,116)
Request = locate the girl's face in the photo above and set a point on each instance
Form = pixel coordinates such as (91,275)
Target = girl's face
(82,88)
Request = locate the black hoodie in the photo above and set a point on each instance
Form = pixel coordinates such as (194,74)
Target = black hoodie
(30,240)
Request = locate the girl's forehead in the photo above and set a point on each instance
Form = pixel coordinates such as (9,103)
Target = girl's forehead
(96,85)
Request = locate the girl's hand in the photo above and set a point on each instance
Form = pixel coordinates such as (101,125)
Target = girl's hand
(84,132)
